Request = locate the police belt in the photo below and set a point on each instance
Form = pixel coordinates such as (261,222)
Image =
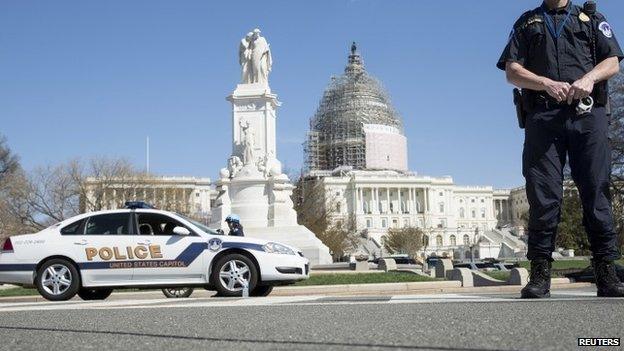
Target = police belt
(547,101)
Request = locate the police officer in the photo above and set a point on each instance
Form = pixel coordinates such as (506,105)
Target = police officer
(558,54)
(236,229)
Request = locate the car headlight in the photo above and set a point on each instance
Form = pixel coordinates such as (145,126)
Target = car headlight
(277,249)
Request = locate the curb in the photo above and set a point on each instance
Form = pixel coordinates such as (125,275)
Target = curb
(409,288)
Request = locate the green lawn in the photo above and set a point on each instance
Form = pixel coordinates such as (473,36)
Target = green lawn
(500,275)
(363,278)
(18,292)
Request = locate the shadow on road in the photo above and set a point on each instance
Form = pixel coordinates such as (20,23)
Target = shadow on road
(239,340)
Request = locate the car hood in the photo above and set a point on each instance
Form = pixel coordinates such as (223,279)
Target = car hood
(249,240)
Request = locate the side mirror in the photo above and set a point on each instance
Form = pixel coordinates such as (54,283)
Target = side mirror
(181,231)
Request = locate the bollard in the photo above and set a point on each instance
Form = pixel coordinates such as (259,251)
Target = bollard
(246,289)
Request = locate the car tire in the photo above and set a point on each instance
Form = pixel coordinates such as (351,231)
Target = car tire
(261,291)
(94,294)
(176,293)
(228,283)
(57,280)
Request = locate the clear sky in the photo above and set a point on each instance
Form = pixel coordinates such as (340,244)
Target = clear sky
(87,78)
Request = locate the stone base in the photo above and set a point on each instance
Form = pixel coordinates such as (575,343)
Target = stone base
(297,236)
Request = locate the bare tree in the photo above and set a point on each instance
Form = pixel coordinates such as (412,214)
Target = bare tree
(101,176)
(319,210)
(404,241)
(617,144)
(340,238)
(9,162)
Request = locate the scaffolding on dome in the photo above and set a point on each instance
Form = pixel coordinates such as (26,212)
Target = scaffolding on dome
(336,137)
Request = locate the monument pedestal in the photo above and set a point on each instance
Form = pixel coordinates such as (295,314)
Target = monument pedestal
(253,185)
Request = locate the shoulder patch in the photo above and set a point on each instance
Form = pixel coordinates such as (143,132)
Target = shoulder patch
(605,28)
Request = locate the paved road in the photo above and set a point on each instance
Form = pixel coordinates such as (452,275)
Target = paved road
(410,322)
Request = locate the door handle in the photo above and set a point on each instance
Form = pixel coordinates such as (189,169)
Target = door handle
(83,242)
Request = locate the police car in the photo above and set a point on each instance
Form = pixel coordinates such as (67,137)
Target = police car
(93,253)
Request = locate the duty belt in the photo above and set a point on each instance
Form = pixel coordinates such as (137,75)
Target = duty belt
(548,102)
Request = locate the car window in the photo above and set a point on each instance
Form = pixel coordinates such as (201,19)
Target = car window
(201,226)
(74,228)
(156,224)
(108,224)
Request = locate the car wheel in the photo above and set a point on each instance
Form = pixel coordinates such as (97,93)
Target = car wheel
(94,294)
(57,280)
(262,290)
(173,293)
(231,273)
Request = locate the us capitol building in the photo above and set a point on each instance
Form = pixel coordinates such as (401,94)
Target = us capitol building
(356,152)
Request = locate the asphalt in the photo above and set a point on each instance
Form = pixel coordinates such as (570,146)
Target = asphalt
(410,322)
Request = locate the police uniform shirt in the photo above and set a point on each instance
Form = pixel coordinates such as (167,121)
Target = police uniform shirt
(542,44)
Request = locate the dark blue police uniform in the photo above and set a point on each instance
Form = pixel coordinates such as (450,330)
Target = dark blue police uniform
(236,229)
(563,45)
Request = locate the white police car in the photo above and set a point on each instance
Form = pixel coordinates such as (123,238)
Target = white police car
(93,253)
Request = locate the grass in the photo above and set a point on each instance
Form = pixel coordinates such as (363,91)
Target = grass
(18,292)
(500,275)
(363,278)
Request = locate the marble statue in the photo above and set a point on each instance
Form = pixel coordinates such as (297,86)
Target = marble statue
(248,143)
(244,58)
(255,59)
(234,165)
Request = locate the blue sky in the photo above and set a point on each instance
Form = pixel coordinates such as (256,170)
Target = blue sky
(88,78)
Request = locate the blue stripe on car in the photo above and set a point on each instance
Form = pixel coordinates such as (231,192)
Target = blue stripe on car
(17,267)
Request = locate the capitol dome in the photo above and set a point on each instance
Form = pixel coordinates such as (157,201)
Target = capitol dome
(356,125)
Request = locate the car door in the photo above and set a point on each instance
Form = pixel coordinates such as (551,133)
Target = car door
(101,249)
(172,258)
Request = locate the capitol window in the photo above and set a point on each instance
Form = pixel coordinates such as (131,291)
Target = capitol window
(406,223)
(439,240)
(466,240)
(369,223)
(473,213)
(441,193)
(453,240)
(441,207)
(384,223)
(462,213)
(395,223)
(483,213)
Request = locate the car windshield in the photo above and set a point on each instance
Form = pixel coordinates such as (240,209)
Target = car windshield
(201,226)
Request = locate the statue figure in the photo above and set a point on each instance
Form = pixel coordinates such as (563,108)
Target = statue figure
(261,60)
(244,58)
(272,166)
(248,143)
(234,165)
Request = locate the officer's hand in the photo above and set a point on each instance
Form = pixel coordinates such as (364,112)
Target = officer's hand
(582,88)
(557,90)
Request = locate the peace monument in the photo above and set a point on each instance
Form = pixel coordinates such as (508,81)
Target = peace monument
(253,185)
